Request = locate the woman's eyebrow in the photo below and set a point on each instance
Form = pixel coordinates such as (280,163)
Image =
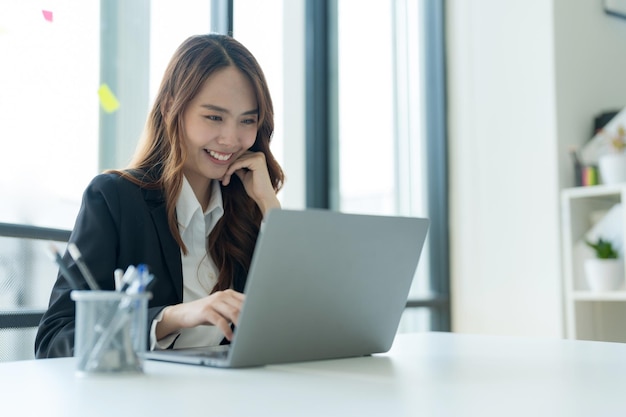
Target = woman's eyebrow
(214,108)
(223,110)
(251,112)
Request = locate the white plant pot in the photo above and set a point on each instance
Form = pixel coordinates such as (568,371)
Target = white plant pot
(604,274)
(612,168)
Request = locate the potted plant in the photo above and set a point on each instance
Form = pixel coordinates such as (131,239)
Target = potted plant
(612,165)
(605,271)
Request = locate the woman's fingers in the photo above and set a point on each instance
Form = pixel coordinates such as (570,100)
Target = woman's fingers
(229,305)
(243,163)
(222,308)
(219,309)
(251,168)
(221,323)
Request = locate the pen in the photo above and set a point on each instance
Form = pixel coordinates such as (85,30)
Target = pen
(142,272)
(56,256)
(118,274)
(76,255)
(128,277)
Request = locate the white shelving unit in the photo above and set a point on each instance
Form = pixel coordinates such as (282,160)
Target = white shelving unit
(589,315)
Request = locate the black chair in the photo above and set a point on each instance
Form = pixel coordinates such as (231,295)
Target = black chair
(26,277)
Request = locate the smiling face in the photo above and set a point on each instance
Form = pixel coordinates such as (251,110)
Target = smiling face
(220,124)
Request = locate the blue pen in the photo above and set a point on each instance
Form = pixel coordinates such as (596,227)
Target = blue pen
(142,277)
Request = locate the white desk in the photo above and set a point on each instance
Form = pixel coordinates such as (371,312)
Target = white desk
(429,374)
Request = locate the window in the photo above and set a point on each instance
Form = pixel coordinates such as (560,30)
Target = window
(272,31)
(56,136)
(381,147)
(382,153)
(49,103)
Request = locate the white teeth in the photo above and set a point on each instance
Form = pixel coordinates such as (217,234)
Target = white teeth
(220,156)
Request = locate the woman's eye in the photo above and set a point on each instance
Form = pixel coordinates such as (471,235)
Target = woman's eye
(213,118)
(249,121)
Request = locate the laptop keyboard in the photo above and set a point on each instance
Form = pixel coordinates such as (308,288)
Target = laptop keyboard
(214,352)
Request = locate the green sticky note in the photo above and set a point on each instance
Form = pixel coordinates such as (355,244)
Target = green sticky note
(107,99)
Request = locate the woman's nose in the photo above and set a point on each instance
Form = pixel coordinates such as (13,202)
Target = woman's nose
(228,135)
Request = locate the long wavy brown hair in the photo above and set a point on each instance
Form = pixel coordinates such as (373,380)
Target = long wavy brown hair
(160,156)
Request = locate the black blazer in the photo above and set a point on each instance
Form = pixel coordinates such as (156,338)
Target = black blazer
(119,224)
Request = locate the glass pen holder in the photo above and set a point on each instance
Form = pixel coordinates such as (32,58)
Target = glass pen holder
(111,331)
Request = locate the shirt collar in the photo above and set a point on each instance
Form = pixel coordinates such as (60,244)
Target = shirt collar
(187,205)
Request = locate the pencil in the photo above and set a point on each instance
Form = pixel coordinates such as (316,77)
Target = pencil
(76,255)
(69,277)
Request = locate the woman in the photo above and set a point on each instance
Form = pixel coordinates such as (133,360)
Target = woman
(190,204)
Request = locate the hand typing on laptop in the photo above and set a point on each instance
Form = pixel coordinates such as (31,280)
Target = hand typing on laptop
(220,309)
(318,298)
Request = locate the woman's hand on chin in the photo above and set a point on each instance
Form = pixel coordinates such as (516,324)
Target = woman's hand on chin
(251,168)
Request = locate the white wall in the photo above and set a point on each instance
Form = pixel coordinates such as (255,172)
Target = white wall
(526,78)
(502,158)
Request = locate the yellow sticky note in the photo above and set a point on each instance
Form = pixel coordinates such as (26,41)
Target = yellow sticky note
(107,99)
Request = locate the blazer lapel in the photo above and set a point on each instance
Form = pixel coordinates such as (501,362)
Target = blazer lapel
(169,247)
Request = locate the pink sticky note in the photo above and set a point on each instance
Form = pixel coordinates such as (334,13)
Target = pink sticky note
(47,14)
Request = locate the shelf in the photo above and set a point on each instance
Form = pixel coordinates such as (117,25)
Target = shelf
(598,296)
(591,315)
(594,191)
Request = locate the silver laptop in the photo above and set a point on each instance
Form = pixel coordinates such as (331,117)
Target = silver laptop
(321,285)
